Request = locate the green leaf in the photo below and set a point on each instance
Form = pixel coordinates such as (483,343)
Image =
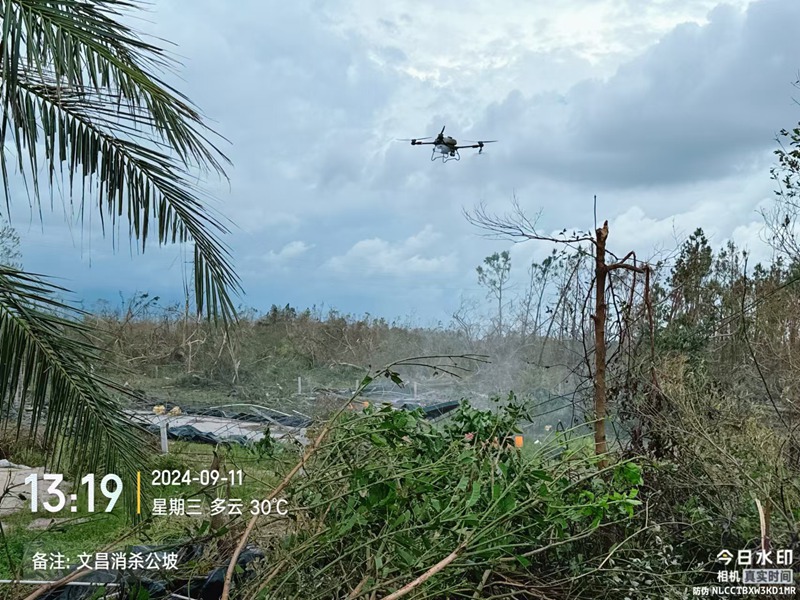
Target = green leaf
(539,474)
(523,561)
(630,473)
(401,520)
(142,594)
(497,490)
(378,440)
(475,495)
(507,504)
(347,525)
(408,559)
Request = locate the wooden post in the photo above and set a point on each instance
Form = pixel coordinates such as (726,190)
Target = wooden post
(415,390)
(164,440)
(299,385)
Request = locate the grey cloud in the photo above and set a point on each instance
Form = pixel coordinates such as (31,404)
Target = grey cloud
(698,105)
(278,81)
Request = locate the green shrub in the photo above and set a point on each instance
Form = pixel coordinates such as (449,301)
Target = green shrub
(390,495)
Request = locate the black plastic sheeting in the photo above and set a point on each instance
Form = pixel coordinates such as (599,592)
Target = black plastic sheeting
(438,410)
(266,416)
(205,587)
(274,417)
(187,433)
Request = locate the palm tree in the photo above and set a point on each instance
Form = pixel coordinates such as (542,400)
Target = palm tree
(81,97)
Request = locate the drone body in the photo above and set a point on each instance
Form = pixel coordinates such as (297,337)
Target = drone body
(446,147)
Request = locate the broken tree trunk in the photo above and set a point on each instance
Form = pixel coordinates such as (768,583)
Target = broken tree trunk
(599,318)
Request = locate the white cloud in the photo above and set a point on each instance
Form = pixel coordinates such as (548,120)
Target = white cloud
(445,42)
(376,256)
(751,237)
(704,102)
(288,252)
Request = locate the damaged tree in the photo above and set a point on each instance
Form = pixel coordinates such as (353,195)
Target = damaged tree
(600,316)
(518,227)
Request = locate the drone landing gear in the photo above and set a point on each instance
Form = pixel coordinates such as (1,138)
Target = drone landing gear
(454,155)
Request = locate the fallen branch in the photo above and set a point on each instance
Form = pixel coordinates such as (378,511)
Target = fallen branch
(357,592)
(386,371)
(763,517)
(428,574)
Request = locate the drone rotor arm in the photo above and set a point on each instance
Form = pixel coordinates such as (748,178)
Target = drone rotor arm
(477,144)
(414,141)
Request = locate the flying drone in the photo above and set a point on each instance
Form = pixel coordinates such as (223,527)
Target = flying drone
(446,147)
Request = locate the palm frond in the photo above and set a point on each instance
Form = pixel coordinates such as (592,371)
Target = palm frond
(47,365)
(81,85)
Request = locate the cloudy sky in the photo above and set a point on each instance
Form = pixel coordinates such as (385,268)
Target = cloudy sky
(667,110)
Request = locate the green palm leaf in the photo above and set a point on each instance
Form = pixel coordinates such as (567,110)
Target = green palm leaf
(79,86)
(46,372)
(82,98)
